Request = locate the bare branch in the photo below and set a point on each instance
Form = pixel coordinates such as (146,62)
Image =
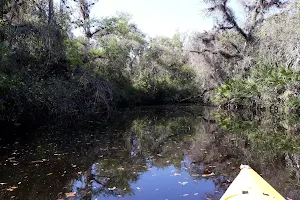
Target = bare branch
(219,51)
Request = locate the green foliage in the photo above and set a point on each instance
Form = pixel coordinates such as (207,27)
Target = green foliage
(266,85)
(74,52)
(49,74)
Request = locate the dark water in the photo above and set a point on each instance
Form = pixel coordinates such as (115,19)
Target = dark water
(184,152)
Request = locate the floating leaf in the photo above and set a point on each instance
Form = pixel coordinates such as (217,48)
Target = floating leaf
(183,183)
(176,174)
(70,194)
(37,161)
(195,175)
(208,175)
(113,188)
(138,188)
(11,188)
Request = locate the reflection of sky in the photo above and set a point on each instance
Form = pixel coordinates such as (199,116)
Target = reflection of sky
(80,183)
(159,183)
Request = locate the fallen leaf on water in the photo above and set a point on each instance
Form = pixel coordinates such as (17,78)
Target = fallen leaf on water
(185,195)
(138,188)
(11,188)
(113,188)
(36,161)
(208,175)
(183,183)
(196,193)
(176,174)
(70,194)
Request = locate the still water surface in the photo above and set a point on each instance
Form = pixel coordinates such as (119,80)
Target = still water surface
(185,152)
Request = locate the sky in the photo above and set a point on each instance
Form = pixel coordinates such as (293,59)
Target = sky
(158,17)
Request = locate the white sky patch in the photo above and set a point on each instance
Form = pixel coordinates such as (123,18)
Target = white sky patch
(157,17)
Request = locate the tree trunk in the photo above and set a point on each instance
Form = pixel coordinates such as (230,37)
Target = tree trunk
(85,12)
(50,26)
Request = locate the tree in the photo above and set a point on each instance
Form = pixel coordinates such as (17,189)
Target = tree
(256,11)
(85,7)
(230,47)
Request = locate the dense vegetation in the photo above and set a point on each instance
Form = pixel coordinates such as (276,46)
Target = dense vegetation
(254,64)
(49,73)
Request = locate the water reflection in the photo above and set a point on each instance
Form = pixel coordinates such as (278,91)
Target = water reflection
(165,153)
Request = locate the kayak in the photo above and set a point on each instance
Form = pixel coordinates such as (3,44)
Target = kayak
(250,185)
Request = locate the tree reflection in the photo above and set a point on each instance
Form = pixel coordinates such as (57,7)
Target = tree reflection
(205,147)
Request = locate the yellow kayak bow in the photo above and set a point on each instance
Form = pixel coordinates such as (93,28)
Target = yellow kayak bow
(249,185)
